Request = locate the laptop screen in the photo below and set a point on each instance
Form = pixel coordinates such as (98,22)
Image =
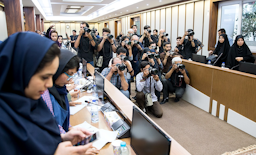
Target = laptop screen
(146,138)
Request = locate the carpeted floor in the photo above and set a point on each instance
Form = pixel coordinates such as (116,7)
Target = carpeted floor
(199,132)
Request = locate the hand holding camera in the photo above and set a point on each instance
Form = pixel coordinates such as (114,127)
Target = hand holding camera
(156,77)
(144,56)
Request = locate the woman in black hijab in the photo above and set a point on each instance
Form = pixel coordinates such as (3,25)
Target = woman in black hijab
(26,124)
(223,47)
(239,52)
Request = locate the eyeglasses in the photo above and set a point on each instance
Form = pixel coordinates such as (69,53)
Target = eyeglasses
(69,77)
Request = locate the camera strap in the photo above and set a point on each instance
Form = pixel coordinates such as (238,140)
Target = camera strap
(117,81)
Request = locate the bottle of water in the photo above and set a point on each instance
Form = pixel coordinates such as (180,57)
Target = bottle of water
(223,65)
(94,113)
(209,62)
(123,149)
(80,70)
(95,94)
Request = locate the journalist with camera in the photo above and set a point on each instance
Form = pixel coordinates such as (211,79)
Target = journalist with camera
(175,80)
(106,48)
(137,49)
(162,39)
(166,57)
(189,44)
(152,46)
(147,82)
(129,72)
(154,59)
(115,74)
(126,43)
(85,43)
(146,37)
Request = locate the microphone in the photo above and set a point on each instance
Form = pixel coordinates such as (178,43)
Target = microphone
(217,59)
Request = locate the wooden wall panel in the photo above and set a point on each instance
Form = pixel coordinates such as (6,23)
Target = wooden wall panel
(73,27)
(62,29)
(213,24)
(29,18)
(206,27)
(162,26)
(182,20)
(235,92)
(200,76)
(14,16)
(189,16)
(158,20)
(42,24)
(168,27)
(38,22)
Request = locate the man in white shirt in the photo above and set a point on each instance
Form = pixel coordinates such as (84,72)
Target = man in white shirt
(147,83)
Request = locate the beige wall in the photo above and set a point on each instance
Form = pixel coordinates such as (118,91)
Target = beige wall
(175,19)
(3,27)
(61,28)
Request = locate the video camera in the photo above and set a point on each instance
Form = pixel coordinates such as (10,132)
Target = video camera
(181,66)
(152,71)
(121,67)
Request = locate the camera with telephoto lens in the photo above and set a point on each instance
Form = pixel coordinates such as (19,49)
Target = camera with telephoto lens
(152,71)
(165,35)
(190,32)
(128,42)
(150,55)
(120,67)
(157,56)
(110,36)
(86,29)
(124,58)
(181,66)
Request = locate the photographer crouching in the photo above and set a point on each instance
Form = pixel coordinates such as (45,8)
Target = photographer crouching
(175,80)
(115,74)
(146,83)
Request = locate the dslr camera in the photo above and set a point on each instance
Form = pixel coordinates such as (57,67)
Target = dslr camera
(165,35)
(124,58)
(152,71)
(157,56)
(190,32)
(110,36)
(135,42)
(128,42)
(93,31)
(150,55)
(181,66)
(121,67)
(149,31)
(86,29)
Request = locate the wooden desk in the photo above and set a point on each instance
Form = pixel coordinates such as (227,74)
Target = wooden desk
(125,106)
(233,89)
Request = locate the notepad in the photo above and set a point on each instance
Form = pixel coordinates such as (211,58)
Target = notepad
(75,109)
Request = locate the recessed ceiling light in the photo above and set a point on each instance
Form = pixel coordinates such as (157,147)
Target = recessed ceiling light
(137,7)
(115,14)
(120,12)
(147,4)
(160,0)
(126,10)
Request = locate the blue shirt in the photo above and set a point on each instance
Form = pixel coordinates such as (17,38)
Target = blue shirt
(115,79)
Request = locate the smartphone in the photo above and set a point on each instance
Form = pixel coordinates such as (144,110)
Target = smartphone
(89,139)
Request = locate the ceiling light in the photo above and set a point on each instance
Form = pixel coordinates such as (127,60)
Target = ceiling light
(115,14)
(126,10)
(160,0)
(82,1)
(74,7)
(147,4)
(137,7)
(71,10)
(120,12)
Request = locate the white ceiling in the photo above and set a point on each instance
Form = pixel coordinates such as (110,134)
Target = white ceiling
(91,8)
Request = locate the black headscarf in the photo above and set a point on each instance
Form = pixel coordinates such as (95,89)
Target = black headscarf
(236,51)
(60,92)
(26,126)
(222,48)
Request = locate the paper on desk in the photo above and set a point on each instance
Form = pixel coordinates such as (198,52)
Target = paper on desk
(75,109)
(104,136)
